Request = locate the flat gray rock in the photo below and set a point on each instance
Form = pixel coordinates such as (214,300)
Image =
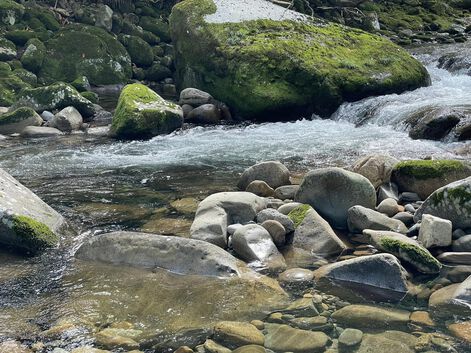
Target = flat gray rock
(178,255)
(361,218)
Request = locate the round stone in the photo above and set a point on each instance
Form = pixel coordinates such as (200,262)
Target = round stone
(277,232)
(296,278)
(350,337)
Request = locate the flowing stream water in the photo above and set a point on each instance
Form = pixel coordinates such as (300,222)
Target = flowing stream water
(101,184)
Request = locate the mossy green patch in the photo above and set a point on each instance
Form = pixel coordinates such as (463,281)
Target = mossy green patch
(10,86)
(89,51)
(141,53)
(415,253)
(33,236)
(460,196)
(298,214)
(91,96)
(7,49)
(142,113)
(427,169)
(265,68)
(33,56)
(16,116)
(26,76)
(10,12)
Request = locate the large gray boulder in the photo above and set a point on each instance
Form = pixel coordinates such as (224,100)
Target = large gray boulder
(274,173)
(27,224)
(376,168)
(314,234)
(452,300)
(405,248)
(178,255)
(361,218)
(452,202)
(254,244)
(67,120)
(332,191)
(377,277)
(219,210)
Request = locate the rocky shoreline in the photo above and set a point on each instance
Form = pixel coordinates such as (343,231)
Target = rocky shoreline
(385,232)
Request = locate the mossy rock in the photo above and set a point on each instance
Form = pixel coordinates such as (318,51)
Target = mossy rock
(425,176)
(10,86)
(297,215)
(157,72)
(141,53)
(10,12)
(56,96)
(26,76)
(7,49)
(141,113)
(86,51)
(156,26)
(22,36)
(452,202)
(405,249)
(15,121)
(33,56)
(270,68)
(5,69)
(81,84)
(91,96)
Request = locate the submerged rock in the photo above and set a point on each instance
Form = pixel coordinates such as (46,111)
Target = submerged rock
(283,338)
(372,317)
(40,131)
(142,113)
(219,210)
(406,249)
(244,58)
(425,176)
(179,255)
(332,191)
(452,202)
(234,334)
(27,223)
(377,277)
(17,120)
(453,300)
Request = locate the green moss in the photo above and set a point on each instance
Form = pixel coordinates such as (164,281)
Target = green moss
(298,214)
(460,195)
(428,169)
(10,87)
(8,49)
(33,236)
(142,113)
(33,56)
(81,84)
(414,253)
(17,115)
(141,53)
(86,51)
(26,76)
(265,67)
(5,69)
(10,11)
(91,96)
(156,26)
(22,36)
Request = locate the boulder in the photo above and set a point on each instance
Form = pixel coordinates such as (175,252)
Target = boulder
(275,174)
(434,231)
(11,12)
(67,120)
(288,207)
(461,258)
(178,255)
(389,207)
(142,113)
(313,234)
(27,223)
(104,17)
(56,96)
(296,278)
(433,124)
(283,338)
(141,53)
(234,334)
(404,248)
(277,232)
(34,55)
(219,210)
(452,202)
(376,277)
(371,317)
(79,50)
(376,168)
(332,191)
(260,188)
(272,214)
(286,192)
(16,120)
(425,176)
(361,218)
(255,245)
(451,301)
(260,82)
(7,49)
(204,114)
(349,339)
(40,131)
(195,97)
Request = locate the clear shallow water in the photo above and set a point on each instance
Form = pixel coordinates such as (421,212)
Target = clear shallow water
(101,185)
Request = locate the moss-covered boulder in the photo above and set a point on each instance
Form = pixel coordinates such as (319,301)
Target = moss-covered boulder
(33,56)
(142,113)
(86,51)
(270,63)
(27,224)
(10,12)
(156,26)
(27,76)
(15,121)
(7,49)
(10,86)
(452,202)
(56,96)
(141,53)
(404,248)
(425,176)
